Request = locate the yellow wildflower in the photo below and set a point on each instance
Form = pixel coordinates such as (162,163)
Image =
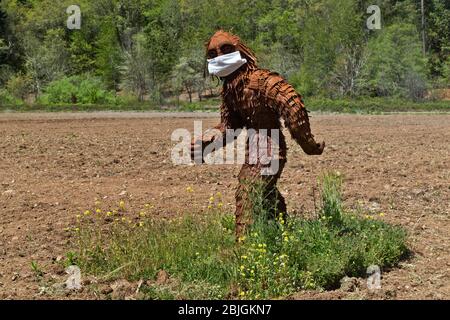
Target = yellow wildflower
(241,239)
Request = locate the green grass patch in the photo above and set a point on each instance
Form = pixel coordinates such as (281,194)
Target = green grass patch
(357,105)
(205,106)
(199,252)
(366,105)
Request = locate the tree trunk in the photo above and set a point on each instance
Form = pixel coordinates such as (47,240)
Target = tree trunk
(424,48)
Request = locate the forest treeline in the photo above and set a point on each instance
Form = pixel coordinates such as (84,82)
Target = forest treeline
(136,50)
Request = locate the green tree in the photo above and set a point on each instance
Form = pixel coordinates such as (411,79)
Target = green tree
(163,33)
(47,60)
(82,52)
(438,35)
(395,64)
(329,32)
(137,68)
(186,77)
(109,55)
(11,54)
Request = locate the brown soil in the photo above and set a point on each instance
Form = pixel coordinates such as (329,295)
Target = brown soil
(53,166)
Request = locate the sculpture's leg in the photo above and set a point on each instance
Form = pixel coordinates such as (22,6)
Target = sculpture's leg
(250,178)
(247,177)
(276,201)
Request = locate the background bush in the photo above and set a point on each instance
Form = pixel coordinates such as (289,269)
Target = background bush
(19,86)
(8,100)
(77,90)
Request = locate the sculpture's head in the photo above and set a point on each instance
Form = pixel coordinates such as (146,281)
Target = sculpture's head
(226,53)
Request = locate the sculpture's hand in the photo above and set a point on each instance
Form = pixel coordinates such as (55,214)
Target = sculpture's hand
(314,149)
(320,148)
(198,147)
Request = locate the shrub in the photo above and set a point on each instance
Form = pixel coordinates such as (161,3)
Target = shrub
(77,90)
(415,86)
(6,72)
(445,81)
(19,86)
(193,248)
(281,257)
(331,199)
(60,91)
(6,99)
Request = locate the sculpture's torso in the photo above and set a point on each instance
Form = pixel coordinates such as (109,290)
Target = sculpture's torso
(249,107)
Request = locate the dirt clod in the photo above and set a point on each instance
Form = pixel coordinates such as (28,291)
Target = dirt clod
(162,277)
(121,289)
(349,284)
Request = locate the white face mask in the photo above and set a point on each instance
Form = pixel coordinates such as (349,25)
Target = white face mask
(223,66)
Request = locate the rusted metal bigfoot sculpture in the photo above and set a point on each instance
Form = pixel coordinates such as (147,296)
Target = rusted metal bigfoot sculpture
(254,98)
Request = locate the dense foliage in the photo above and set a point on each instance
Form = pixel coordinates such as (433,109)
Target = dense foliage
(153,49)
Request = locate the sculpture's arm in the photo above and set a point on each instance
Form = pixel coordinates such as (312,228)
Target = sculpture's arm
(228,120)
(289,105)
